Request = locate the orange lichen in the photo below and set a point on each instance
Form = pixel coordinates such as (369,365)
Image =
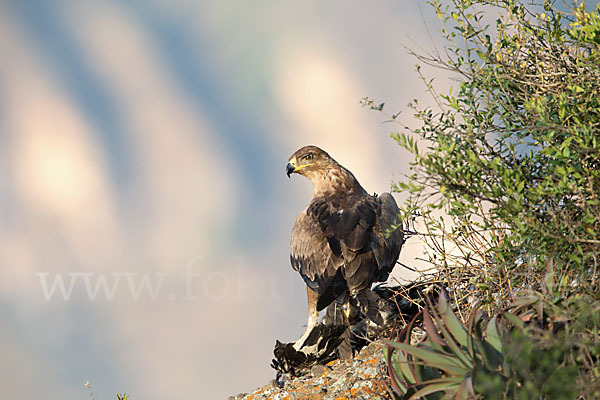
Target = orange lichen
(340,380)
(372,361)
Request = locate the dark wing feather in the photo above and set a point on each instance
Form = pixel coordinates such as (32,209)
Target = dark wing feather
(340,246)
(312,257)
(388,236)
(348,223)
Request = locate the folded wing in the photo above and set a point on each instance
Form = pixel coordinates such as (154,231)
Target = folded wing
(341,246)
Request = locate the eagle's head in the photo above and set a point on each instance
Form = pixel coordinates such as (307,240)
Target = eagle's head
(323,171)
(309,161)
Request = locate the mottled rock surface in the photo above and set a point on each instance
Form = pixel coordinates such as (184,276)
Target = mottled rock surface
(300,374)
(359,378)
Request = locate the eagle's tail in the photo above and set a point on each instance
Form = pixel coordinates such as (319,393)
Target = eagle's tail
(336,315)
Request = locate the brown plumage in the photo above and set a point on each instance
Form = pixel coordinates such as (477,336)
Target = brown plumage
(339,243)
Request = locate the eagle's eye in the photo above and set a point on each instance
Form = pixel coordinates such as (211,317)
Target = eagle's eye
(308,157)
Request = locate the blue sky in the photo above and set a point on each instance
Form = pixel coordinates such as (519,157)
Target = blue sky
(148,140)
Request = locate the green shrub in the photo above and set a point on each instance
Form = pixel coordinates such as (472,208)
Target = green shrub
(488,359)
(504,189)
(513,155)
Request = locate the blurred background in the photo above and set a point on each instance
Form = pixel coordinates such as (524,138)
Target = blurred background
(144,209)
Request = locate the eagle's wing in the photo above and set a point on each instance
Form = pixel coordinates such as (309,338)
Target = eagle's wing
(360,229)
(340,244)
(312,257)
(347,224)
(388,236)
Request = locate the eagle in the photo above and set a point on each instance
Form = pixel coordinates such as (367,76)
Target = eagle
(343,241)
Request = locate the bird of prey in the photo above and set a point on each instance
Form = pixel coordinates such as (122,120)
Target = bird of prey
(344,241)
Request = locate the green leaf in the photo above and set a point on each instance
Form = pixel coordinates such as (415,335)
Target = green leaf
(513,319)
(493,335)
(456,328)
(432,358)
(436,341)
(439,385)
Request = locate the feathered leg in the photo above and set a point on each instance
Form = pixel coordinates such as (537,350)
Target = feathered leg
(313,317)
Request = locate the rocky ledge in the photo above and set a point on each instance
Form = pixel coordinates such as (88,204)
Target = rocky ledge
(362,377)
(342,362)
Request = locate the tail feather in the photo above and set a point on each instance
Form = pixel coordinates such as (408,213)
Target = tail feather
(344,349)
(336,315)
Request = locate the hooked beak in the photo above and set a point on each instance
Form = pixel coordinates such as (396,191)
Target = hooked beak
(293,166)
(290,169)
